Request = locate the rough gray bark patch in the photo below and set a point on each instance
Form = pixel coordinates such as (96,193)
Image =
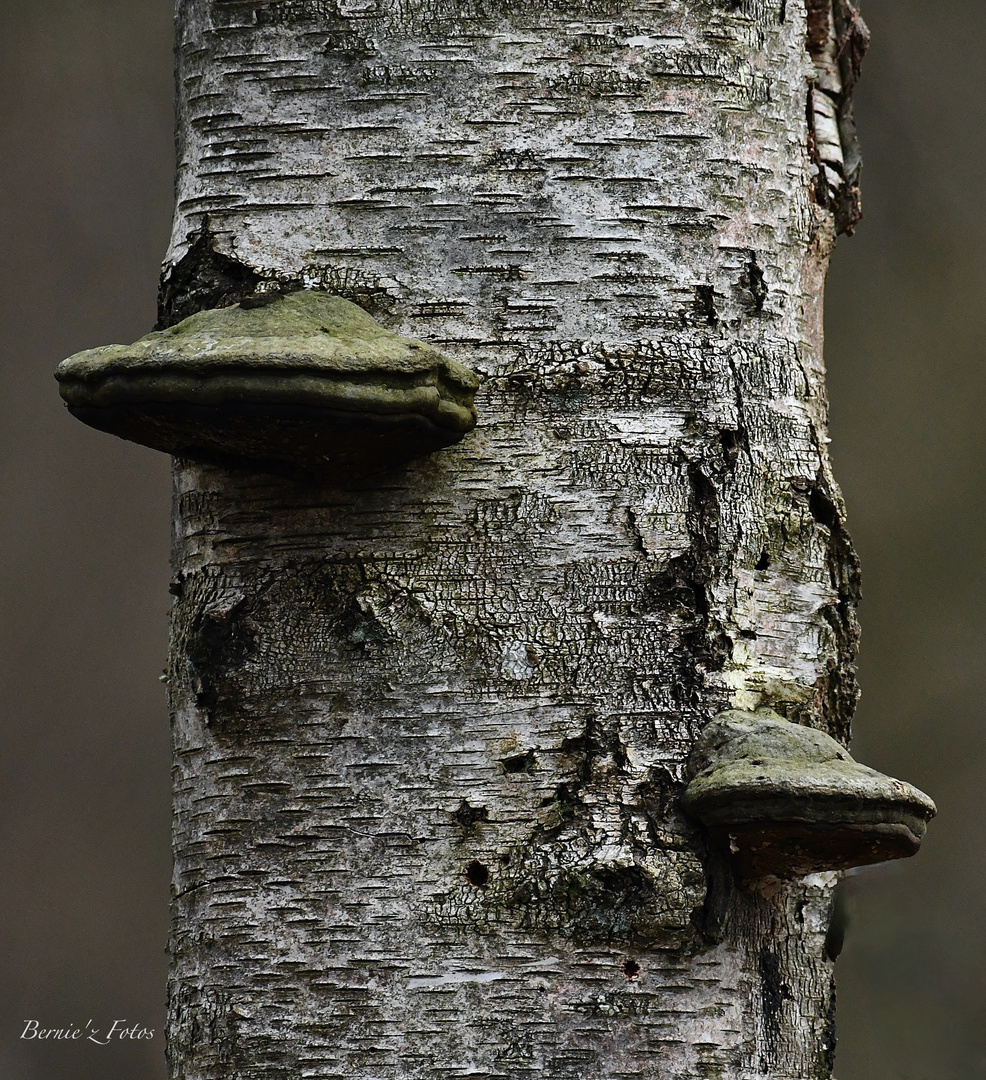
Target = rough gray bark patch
(430,731)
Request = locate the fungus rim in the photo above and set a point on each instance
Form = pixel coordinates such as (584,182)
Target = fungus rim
(788,799)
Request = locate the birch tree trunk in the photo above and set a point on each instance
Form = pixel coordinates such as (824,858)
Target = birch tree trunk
(430,728)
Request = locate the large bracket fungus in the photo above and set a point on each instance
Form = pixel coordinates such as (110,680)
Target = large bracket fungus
(306,380)
(783,800)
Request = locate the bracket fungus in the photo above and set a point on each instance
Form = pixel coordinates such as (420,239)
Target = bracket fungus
(305,379)
(786,800)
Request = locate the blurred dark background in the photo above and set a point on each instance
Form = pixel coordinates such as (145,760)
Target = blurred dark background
(85,205)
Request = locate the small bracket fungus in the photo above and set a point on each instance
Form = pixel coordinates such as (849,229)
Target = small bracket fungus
(786,800)
(306,379)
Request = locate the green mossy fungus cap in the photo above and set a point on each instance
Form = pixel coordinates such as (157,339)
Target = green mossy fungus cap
(790,796)
(307,378)
(305,348)
(744,761)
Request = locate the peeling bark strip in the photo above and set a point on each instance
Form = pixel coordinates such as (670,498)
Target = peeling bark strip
(837,41)
(430,731)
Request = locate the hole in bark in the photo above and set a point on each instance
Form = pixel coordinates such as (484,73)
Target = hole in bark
(705,305)
(763,562)
(477,874)
(467,815)
(823,509)
(631,969)
(756,283)
(731,441)
(518,762)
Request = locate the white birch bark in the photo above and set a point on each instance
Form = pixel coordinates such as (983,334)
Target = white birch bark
(430,728)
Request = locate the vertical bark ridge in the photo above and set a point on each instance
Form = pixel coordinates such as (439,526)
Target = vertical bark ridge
(430,729)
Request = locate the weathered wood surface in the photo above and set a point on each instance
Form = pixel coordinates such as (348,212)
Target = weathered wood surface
(430,729)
